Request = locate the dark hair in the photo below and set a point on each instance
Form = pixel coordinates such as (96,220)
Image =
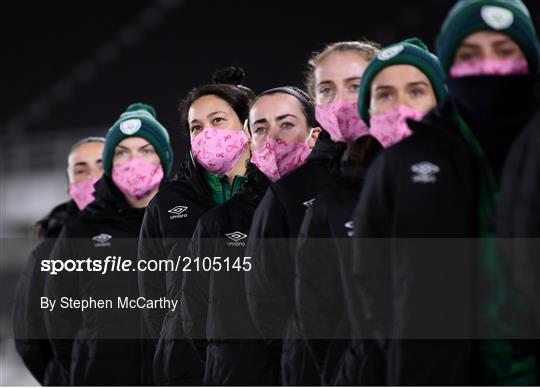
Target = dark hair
(227,87)
(308,108)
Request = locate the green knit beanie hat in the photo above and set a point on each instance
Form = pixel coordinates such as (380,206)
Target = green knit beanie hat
(412,52)
(138,120)
(510,17)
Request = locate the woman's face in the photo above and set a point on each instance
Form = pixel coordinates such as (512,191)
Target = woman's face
(280,117)
(337,77)
(211,112)
(401,85)
(84,162)
(483,45)
(135,148)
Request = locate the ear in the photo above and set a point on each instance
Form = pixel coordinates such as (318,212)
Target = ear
(247,132)
(315,132)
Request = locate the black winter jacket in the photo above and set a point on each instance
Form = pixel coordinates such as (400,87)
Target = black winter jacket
(518,214)
(214,304)
(168,226)
(412,271)
(31,339)
(99,346)
(323,268)
(271,246)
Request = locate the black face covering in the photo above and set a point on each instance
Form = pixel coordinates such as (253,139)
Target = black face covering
(496,108)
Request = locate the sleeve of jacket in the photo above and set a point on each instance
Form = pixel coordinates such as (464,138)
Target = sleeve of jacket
(319,297)
(269,283)
(152,284)
(524,181)
(195,287)
(31,340)
(63,324)
(370,294)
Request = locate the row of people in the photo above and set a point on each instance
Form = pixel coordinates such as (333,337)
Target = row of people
(369,206)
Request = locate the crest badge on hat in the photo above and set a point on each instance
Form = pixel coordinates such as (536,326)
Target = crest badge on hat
(129,127)
(390,52)
(497,18)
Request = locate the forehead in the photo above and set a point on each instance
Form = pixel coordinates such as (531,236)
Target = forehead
(134,141)
(486,37)
(340,65)
(398,75)
(91,150)
(205,105)
(275,105)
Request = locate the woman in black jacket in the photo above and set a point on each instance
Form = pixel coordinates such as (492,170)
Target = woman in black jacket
(214,304)
(31,340)
(211,114)
(324,245)
(101,345)
(443,182)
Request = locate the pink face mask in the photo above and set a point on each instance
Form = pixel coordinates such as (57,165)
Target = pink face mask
(277,157)
(341,120)
(514,66)
(137,178)
(390,127)
(218,150)
(82,192)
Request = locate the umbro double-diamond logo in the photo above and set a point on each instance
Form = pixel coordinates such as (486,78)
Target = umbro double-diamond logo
(236,239)
(102,240)
(178,212)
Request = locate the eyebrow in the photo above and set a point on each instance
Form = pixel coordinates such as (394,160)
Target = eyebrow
(216,112)
(279,118)
(384,87)
(261,120)
(144,146)
(325,82)
(346,80)
(417,83)
(80,164)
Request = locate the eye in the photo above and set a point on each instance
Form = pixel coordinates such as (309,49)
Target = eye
(79,172)
(417,92)
(148,151)
(287,125)
(218,120)
(326,92)
(383,96)
(195,128)
(120,153)
(506,52)
(354,88)
(259,130)
(465,56)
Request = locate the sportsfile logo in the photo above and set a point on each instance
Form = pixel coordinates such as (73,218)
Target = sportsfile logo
(350,228)
(102,240)
(425,172)
(178,212)
(236,238)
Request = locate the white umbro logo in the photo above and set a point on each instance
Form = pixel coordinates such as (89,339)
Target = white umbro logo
(237,238)
(178,212)
(425,172)
(309,203)
(102,240)
(350,225)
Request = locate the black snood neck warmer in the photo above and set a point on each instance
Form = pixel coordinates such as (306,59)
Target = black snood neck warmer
(496,108)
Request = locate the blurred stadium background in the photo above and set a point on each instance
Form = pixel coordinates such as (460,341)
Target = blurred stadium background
(69,68)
